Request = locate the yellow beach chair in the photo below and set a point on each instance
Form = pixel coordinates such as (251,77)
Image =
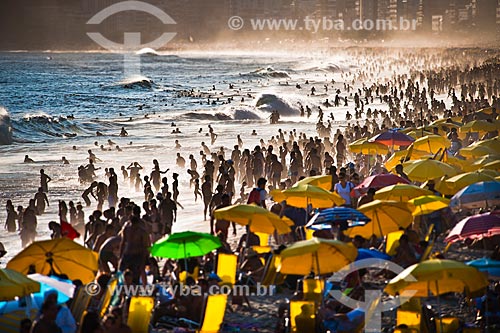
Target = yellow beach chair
(226,268)
(411,319)
(392,242)
(139,313)
(270,275)
(80,304)
(264,238)
(106,300)
(9,322)
(213,313)
(447,325)
(302,317)
(313,289)
(184,275)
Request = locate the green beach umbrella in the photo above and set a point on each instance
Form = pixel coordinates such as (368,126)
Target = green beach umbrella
(184,245)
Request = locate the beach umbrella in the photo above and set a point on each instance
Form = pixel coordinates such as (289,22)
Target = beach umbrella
(14,284)
(305,195)
(427,204)
(400,192)
(454,184)
(431,143)
(493,165)
(480,126)
(337,215)
(386,217)
(57,256)
(323,181)
(481,162)
(475,227)
(378,181)
(423,170)
(393,138)
(363,146)
(399,157)
(438,276)
(316,255)
(416,134)
(257,218)
(371,254)
(477,195)
(487,265)
(186,244)
(493,143)
(477,151)
(62,286)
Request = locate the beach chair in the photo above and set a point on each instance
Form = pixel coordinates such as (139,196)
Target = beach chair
(106,300)
(264,238)
(392,242)
(9,322)
(313,289)
(271,275)
(412,319)
(309,233)
(427,251)
(302,317)
(226,268)
(185,274)
(447,325)
(212,317)
(139,313)
(80,304)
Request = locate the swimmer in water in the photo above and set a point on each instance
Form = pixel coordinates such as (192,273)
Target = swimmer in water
(27,159)
(64,160)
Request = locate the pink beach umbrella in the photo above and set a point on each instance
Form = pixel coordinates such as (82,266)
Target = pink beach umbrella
(378,182)
(476,227)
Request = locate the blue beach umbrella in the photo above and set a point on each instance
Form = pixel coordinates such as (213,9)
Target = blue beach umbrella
(477,195)
(487,265)
(371,254)
(338,215)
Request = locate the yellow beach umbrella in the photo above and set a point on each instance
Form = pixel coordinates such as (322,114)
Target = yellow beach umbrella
(477,151)
(257,218)
(481,161)
(14,284)
(400,192)
(57,256)
(305,194)
(480,126)
(416,134)
(493,143)
(323,181)
(362,146)
(439,277)
(423,170)
(457,163)
(431,143)
(386,217)
(316,255)
(458,182)
(444,121)
(397,156)
(427,204)
(493,165)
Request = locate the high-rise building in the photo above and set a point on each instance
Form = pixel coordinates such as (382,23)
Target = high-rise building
(486,15)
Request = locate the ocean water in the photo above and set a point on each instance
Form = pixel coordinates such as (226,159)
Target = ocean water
(59,100)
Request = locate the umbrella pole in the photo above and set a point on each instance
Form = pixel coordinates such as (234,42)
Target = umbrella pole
(185,259)
(439,306)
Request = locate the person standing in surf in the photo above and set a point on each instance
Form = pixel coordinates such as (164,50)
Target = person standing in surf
(44,181)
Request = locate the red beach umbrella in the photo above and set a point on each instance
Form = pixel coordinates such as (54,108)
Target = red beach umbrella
(476,227)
